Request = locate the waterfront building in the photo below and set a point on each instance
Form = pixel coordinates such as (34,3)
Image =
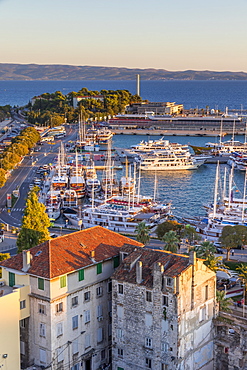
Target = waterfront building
(77,99)
(163,309)
(56,305)
(155,107)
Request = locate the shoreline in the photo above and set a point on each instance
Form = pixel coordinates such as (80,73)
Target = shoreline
(172,132)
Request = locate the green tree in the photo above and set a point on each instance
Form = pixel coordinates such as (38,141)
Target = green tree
(233,237)
(190,234)
(2,176)
(142,233)
(171,241)
(205,249)
(243,275)
(35,223)
(224,303)
(166,226)
(3,256)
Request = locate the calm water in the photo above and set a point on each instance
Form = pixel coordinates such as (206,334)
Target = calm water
(187,190)
(193,94)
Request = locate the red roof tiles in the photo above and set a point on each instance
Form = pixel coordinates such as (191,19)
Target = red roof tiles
(71,252)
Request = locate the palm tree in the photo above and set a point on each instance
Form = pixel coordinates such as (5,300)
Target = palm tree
(215,263)
(142,233)
(205,249)
(224,302)
(171,241)
(243,274)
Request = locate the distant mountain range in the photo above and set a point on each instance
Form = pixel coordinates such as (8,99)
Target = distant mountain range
(68,72)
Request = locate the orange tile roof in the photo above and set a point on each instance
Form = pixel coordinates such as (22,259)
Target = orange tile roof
(174,265)
(71,252)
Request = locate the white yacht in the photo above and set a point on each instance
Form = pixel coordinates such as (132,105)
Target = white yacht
(168,160)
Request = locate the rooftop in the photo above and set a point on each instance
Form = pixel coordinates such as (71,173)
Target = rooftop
(174,264)
(71,252)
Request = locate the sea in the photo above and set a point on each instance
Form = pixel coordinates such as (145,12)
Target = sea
(188,191)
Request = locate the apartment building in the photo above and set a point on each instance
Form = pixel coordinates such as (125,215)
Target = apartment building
(62,319)
(163,308)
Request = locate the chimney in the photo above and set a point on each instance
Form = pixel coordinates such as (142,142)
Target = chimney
(192,257)
(92,254)
(138,272)
(26,259)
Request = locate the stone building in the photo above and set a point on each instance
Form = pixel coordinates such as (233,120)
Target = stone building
(60,296)
(155,108)
(163,306)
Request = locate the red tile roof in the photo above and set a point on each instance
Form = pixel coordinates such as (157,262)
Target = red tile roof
(71,252)
(174,265)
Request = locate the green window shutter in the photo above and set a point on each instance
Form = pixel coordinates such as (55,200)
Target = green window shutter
(81,275)
(116,261)
(120,368)
(99,268)
(11,279)
(63,281)
(41,284)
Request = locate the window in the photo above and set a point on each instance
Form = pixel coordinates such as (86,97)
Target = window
(120,352)
(120,288)
(119,333)
(63,281)
(164,347)
(42,355)
(42,330)
(41,308)
(75,367)
(148,343)
(99,312)
(120,368)
(87,296)
(120,311)
(202,314)
(116,261)
(164,367)
(59,329)
(102,354)
(109,287)
(60,353)
(87,316)
(22,304)
(22,348)
(99,268)
(149,363)
(148,319)
(74,301)
(81,275)
(87,341)
(41,284)
(109,331)
(11,279)
(148,296)
(206,292)
(169,282)
(23,323)
(99,291)
(99,335)
(75,322)
(75,347)
(165,300)
(59,307)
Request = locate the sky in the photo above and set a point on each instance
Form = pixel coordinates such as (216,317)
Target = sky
(161,34)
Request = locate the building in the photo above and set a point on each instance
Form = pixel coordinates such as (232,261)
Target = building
(56,301)
(77,99)
(163,308)
(156,108)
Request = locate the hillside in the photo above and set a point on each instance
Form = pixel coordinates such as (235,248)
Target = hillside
(69,72)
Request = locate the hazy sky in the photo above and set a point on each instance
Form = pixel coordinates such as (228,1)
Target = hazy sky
(172,35)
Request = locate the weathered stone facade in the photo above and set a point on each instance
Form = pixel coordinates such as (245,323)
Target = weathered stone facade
(162,310)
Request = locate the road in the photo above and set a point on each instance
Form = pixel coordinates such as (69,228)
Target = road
(23,175)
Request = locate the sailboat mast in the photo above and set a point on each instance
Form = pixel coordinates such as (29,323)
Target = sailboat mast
(216,189)
(155,186)
(244,196)
(230,186)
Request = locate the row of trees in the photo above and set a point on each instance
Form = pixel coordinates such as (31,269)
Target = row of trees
(4,112)
(53,109)
(19,147)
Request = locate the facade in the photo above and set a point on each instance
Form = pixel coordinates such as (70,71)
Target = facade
(163,308)
(170,108)
(77,99)
(67,286)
